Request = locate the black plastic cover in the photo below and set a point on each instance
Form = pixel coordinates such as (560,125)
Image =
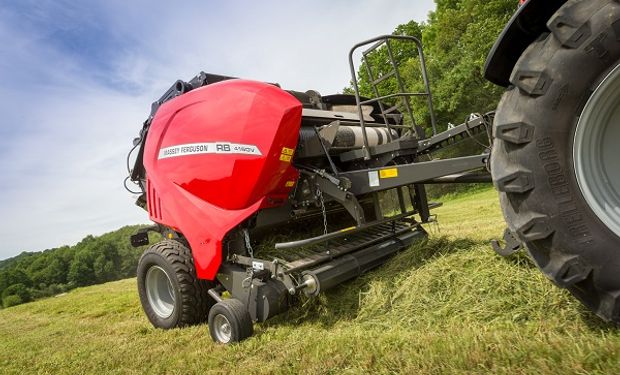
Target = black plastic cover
(527,24)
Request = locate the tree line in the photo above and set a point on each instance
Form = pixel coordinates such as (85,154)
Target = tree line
(94,260)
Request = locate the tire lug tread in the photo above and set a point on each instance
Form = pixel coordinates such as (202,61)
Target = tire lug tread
(609,306)
(532,82)
(537,228)
(569,32)
(517,182)
(194,292)
(518,133)
(567,270)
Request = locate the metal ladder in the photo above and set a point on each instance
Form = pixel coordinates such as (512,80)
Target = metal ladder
(395,73)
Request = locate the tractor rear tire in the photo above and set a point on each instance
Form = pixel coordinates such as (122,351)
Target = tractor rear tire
(171,294)
(230,322)
(560,185)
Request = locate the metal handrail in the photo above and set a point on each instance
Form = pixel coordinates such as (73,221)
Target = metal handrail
(378,41)
(398,94)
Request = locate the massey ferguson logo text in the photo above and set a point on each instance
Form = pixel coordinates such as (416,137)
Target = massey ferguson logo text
(208,148)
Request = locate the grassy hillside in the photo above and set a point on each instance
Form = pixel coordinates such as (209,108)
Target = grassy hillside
(93,260)
(445,306)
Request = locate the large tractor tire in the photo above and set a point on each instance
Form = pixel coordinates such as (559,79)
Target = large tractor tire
(171,294)
(556,152)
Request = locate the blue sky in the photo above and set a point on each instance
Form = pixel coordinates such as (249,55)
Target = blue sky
(77,80)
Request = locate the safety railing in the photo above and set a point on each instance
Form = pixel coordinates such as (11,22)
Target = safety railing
(405,96)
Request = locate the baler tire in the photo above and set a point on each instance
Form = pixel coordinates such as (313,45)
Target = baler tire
(191,301)
(532,159)
(236,316)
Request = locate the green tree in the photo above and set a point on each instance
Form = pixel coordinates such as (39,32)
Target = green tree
(55,272)
(12,276)
(107,261)
(104,269)
(458,38)
(16,290)
(81,271)
(11,300)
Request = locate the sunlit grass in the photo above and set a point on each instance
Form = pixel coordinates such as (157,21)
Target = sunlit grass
(447,305)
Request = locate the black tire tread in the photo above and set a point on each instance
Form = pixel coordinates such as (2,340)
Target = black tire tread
(570,28)
(196,301)
(238,315)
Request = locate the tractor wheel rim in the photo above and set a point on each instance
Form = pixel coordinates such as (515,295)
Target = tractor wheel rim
(160,292)
(222,328)
(596,151)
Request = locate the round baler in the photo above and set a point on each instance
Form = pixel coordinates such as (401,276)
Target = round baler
(222,162)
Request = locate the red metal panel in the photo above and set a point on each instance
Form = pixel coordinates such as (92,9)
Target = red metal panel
(218,154)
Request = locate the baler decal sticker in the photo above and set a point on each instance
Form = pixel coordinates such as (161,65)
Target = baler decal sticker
(287,154)
(208,148)
(388,173)
(373,178)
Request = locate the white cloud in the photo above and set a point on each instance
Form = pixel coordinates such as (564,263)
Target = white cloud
(68,121)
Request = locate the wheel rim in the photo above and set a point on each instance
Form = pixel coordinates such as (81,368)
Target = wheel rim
(596,151)
(222,328)
(160,292)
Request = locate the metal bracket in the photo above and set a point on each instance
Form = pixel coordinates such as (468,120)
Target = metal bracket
(346,199)
(141,237)
(274,268)
(512,244)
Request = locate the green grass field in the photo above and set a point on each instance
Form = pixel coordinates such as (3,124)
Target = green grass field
(449,305)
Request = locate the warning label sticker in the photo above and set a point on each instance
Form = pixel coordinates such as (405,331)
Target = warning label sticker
(388,173)
(373,178)
(208,148)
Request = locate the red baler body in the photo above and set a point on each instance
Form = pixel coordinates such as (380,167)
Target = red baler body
(217,155)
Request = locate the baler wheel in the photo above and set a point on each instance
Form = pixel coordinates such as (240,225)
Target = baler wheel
(555,158)
(230,321)
(171,294)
